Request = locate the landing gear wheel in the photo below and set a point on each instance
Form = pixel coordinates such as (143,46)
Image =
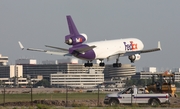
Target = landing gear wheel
(88,64)
(102,64)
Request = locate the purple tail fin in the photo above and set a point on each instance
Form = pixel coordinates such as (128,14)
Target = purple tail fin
(74,37)
(72,28)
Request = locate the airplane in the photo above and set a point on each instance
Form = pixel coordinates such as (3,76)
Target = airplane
(99,50)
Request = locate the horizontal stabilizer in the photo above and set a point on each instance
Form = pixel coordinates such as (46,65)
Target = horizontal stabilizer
(63,49)
(58,53)
(84,49)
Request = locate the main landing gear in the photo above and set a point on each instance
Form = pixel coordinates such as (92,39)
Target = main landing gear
(88,64)
(117,64)
(101,64)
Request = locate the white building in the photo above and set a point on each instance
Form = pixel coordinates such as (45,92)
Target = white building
(11,71)
(68,60)
(26,61)
(13,75)
(149,69)
(84,80)
(177,76)
(46,62)
(61,61)
(3,60)
(176,70)
(16,71)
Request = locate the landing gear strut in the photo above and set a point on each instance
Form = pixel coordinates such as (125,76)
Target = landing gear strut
(117,64)
(101,64)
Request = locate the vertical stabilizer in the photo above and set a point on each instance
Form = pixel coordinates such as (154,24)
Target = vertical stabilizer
(74,37)
(72,28)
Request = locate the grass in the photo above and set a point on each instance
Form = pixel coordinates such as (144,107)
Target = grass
(60,96)
(51,96)
(53,107)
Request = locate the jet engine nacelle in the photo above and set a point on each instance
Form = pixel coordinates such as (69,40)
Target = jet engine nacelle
(134,57)
(74,40)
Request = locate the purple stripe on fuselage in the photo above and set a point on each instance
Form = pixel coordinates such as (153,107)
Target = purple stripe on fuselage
(88,55)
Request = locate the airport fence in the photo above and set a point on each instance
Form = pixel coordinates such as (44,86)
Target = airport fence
(52,96)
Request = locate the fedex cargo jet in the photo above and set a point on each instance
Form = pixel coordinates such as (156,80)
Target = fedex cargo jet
(99,50)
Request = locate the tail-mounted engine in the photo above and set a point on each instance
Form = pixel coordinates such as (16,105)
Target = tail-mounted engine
(74,40)
(134,57)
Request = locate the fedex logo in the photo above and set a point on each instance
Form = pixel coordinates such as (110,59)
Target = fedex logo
(78,39)
(130,46)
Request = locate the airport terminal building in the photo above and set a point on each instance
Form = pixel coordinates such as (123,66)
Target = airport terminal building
(49,70)
(81,80)
(62,72)
(70,72)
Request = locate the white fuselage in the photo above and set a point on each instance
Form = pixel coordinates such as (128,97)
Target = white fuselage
(107,48)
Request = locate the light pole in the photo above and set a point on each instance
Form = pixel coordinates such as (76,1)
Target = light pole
(31,93)
(4,97)
(98,96)
(29,80)
(66,95)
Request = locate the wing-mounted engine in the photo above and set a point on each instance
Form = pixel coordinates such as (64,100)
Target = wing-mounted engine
(134,57)
(75,39)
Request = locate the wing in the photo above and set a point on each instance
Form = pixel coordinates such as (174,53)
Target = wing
(152,50)
(80,50)
(61,51)
(120,53)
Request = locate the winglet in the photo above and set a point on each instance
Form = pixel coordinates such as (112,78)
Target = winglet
(21,46)
(159,45)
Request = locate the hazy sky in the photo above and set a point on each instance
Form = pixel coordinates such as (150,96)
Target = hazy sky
(39,22)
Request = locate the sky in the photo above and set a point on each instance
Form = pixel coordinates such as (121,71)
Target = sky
(43,22)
